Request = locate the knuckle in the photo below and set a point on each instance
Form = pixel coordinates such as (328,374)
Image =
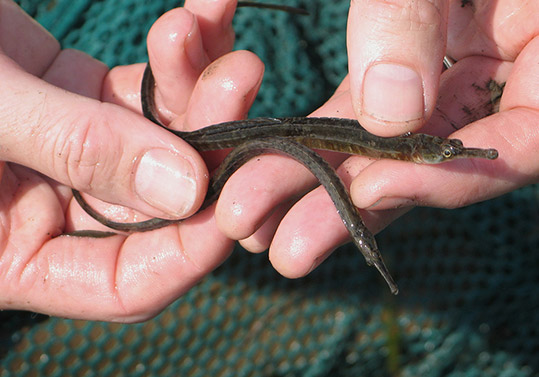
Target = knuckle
(83,152)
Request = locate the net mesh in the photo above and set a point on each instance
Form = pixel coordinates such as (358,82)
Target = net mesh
(468,279)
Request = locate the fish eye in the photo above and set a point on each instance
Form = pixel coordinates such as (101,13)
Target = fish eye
(447,153)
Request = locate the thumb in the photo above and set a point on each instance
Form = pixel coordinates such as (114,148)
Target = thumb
(395,60)
(99,148)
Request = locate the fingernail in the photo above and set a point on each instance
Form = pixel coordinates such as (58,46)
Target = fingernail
(193,48)
(166,181)
(394,93)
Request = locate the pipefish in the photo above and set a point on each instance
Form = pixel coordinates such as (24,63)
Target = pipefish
(295,137)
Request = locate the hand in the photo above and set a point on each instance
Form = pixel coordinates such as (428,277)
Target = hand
(492,42)
(499,46)
(96,141)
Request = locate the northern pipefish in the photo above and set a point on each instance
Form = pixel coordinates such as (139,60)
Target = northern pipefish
(295,137)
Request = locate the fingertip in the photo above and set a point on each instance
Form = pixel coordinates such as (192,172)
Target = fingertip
(141,166)
(225,90)
(233,215)
(295,255)
(258,195)
(169,31)
(121,86)
(289,255)
(168,182)
(245,202)
(307,235)
(176,34)
(254,244)
(392,99)
(215,20)
(260,240)
(177,57)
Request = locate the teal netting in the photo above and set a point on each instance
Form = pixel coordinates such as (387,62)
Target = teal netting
(469,278)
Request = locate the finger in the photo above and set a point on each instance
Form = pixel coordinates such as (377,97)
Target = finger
(225,91)
(521,90)
(69,66)
(313,229)
(307,235)
(250,195)
(24,40)
(262,237)
(513,132)
(215,22)
(395,60)
(177,58)
(393,184)
(501,31)
(260,240)
(96,147)
(121,86)
(115,273)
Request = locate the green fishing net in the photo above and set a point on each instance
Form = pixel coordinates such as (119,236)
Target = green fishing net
(469,278)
